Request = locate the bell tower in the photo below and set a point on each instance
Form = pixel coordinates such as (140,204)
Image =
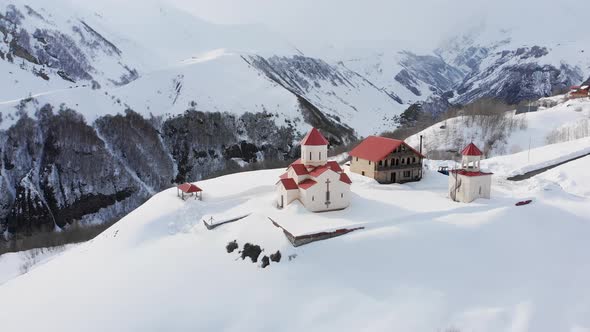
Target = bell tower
(471,158)
(314,149)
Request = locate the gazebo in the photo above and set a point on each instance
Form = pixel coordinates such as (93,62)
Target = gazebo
(189,189)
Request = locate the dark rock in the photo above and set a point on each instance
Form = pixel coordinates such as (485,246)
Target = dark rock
(276,257)
(231,246)
(252,251)
(265,262)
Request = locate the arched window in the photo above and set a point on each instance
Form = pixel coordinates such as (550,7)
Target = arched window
(310,156)
(414,160)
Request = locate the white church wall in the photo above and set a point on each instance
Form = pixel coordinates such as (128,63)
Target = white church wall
(314,155)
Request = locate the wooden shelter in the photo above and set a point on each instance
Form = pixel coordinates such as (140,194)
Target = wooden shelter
(189,189)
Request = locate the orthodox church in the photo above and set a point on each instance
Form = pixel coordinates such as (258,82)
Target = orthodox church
(320,185)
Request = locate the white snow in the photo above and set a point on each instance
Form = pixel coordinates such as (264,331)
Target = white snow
(422,263)
(15,264)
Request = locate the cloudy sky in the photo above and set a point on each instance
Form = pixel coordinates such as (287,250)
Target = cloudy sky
(425,21)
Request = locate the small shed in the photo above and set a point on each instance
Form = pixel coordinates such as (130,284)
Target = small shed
(189,189)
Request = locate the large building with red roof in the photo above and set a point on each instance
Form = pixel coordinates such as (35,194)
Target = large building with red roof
(579,91)
(468,182)
(386,160)
(318,184)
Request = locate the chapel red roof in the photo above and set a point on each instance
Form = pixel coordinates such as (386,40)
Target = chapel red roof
(344,178)
(471,150)
(284,175)
(314,137)
(289,184)
(468,173)
(189,188)
(306,184)
(375,148)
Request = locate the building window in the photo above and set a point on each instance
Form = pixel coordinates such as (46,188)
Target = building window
(357,158)
(310,156)
(312,198)
(363,173)
(320,155)
(403,161)
(342,195)
(414,160)
(380,162)
(480,190)
(369,162)
(407,174)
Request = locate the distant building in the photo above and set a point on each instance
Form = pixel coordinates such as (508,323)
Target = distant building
(320,185)
(386,160)
(579,92)
(469,183)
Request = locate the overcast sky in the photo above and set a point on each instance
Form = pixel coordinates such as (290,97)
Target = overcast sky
(427,21)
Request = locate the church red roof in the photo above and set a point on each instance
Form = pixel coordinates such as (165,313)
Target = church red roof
(334,166)
(471,150)
(344,178)
(314,137)
(375,148)
(189,188)
(289,184)
(306,184)
(299,169)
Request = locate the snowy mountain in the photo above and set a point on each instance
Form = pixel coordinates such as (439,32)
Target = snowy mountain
(513,67)
(486,266)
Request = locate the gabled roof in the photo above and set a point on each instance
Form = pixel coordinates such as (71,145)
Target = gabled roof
(306,184)
(375,148)
(299,169)
(314,137)
(320,170)
(344,178)
(284,175)
(334,166)
(189,188)
(471,150)
(289,184)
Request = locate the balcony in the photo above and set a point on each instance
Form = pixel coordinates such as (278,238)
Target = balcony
(398,167)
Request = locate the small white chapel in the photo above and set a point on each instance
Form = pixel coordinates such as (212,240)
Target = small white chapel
(320,185)
(468,182)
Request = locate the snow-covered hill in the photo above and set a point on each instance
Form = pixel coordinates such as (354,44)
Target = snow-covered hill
(509,133)
(485,266)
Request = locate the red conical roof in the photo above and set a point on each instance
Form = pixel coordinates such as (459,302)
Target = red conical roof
(314,137)
(471,150)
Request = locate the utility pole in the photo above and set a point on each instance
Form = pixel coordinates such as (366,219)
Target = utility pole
(529,154)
